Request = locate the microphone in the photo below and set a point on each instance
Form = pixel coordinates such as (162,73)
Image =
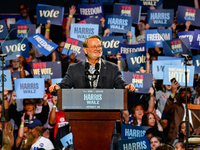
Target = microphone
(87,66)
(97,69)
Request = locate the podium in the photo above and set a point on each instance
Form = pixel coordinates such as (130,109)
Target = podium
(92,114)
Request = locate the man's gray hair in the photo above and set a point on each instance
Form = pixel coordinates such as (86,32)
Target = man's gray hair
(85,41)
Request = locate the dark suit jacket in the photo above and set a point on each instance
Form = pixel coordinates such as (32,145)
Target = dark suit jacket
(110,77)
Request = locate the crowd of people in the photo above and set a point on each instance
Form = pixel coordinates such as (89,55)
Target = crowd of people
(37,124)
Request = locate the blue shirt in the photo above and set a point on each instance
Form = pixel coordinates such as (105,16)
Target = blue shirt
(23,21)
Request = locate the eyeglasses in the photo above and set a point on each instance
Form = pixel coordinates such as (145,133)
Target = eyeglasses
(96,47)
(23,8)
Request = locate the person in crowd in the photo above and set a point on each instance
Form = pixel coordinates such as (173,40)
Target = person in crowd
(24,12)
(140,33)
(149,119)
(155,142)
(179,146)
(165,147)
(72,11)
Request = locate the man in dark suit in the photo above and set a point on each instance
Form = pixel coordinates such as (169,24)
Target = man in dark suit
(94,72)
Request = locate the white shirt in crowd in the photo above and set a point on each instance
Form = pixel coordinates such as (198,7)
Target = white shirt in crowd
(42,142)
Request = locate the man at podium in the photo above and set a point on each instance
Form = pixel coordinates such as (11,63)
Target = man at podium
(94,72)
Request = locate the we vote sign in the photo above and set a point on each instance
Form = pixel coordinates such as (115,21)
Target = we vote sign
(155,37)
(47,70)
(141,81)
(22,31)
(29,88)
(15,48)
(133,11)
(81,31)
(158,4)
(160,17)
(141,143)
(86,11)
(7,80)
(196,63)
(158,67)
(196,40)
(116,23)
(186,34)
(127,49)
(3,29)
(178,72)
(41,43)
(131,132)
(111,44)
(45,13)
(188,14)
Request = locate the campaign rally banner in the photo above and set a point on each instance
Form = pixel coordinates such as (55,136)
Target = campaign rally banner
(170,58)
(88,10)
(155,37)
(81,31)
(178,72)
(47,70)
(41,43)
(131,132)
(3,29)
(73,46)
(67,140)
(117,23)
(158,4)
(20,31)
(176,47)
(7,80)
(111,44)
(141,81)
(188,14)
(196,40)
(158,67)
(136,61)
(45,13)
(140,143)
(56,80)
(29,88)
(160,17)
(133,11)
(186,34)
(15,48)
(127,49)
(196,63)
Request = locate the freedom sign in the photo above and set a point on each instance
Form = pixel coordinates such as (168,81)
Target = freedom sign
(47,70)
(53,14)
(86,11)
(15,48)
(131,132)
(29,88)
(3,29)
(127,49)
(111,44)
(186,34)
(81,31)
(20,31)
(116,23)
(7,80)
(196,40)
(141,81)
(133,11)
(158,4)
(158,67)
(155,37)
(141,143)
(160,17)
(178,72)
(196,63)
(41,43)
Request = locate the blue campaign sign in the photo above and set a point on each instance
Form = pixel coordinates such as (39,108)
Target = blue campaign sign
(29,88)
(41,43)
(20,31)
(141,81)
(158,67)
(45,13)
(141,143)
(133,11)
(170,58)
(127,49)
(133,32)
(158,4)
(196,63)
(81,31)
(56,81)
(178,72)
(131,132)
(67,140)
(155,37)
(160,17)
(3,29)
(88,10)
(196,40)
(111,44)
(117,23)
(47,70)
(176,47)
(136,61)
(16,48)
(186,34)
(188,14)
(7,80)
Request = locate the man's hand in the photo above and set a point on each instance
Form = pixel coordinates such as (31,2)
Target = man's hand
(130,87)
(53,87)
(151,91)
(54,100)
(8,137)
(129,34)
(72,10)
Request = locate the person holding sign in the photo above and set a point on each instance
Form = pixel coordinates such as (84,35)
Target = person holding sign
(94,72)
